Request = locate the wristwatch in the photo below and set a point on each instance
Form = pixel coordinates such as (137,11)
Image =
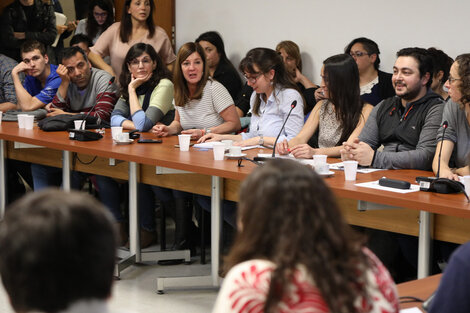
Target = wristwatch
(207,130)
(261,140)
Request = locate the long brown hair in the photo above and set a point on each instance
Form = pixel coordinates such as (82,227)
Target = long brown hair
(290,217)
(180,84)
(125,29)
(266,59)
(463,61)
(92,26)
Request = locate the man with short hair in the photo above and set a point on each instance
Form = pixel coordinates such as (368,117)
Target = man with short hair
(7,87)
(41,81)
(57,253)
(406,124)
(82,86)
(82,41)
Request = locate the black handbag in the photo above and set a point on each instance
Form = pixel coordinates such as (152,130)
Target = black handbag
(63,122)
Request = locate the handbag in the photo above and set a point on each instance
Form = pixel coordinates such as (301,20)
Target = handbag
(63,122)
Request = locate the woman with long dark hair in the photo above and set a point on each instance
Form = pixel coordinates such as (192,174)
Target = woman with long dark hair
(294,252)
(100,17)
(136,26)
(340,117)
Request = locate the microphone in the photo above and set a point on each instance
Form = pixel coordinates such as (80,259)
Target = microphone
(292,106)
(444,125)
(86,135)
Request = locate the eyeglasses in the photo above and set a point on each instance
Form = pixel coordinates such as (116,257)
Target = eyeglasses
(96,14)
(253,79)
(358,54)
(136,63)
(34,59)
(451,79)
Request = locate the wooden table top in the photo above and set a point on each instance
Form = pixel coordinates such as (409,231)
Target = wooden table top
(420,288)
(202,162)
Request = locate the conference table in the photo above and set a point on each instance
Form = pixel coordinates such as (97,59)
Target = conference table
(419,289)
(196,171)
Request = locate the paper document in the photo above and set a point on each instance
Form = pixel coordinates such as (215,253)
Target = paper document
(411,310)
(375,185)
(364,170)
(60,19)
(210,145)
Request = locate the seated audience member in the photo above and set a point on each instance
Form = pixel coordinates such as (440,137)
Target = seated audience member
(7,87)
(41,81)
(441,66)
(455,146)
(146,99)
(100,17)
(57,253)
(270,104)
(339,118)
(25,20)
(82,41)
(136,25)
(375,84)
(220,67)
(203,106)
(406,124)
(78,92)
(290,53)
(295,252)
(452,293)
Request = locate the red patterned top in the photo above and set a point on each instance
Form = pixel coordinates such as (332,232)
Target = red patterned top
(245,288)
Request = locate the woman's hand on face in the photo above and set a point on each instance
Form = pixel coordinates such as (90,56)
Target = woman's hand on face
(303,151)
(136,82)
(319,94)
(195,133)
(160,130)
(283,147)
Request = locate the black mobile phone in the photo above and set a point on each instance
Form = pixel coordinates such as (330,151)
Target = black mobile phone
(133,134)
(149,141)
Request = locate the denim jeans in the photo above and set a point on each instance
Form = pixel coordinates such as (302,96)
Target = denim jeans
(47,176)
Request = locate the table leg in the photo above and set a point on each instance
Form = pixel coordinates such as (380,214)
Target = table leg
(425,243)
(2,179)
(134,234)
(66,170)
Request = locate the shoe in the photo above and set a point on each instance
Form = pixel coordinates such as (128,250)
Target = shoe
(123,234)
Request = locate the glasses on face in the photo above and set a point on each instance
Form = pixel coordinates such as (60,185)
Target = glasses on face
(357,54)
(452,79)
(135,63)
(102,15)
(34,59)
(253,79)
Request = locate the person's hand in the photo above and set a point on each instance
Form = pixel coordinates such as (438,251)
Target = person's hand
(319,94)
(302,151)
(20,67)
(161,130)
(358,151)
(282,147)
(61,29)
(72,25)
(19,35)
(210,137)
(54,111)
(447,173)
(195,133)
(63,73)
(136,82)
(345,152)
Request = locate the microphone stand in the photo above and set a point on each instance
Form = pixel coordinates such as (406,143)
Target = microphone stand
(292,106)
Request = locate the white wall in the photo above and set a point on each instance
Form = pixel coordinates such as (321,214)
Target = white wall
(323,28)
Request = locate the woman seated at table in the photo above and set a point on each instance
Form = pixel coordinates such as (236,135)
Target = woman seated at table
(455,146)
(375,84)
(340,117)
(294,251)
(136,25)
(203,106)
(290,53)
(275,91)
(146,98)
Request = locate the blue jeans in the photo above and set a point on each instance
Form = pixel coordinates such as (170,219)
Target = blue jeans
(229,209)
(47,176)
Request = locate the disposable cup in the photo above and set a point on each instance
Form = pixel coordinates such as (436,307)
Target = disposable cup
(235,150)
(28,121)
(350,170)
(115,131)
(123,137)
(184,141)
(319,158)
(466,182)
(322,168)
(1,115)
(219,151)
(228,143)
(21,120)
(79,124)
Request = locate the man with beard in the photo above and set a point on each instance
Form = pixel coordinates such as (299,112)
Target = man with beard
(41,81)
(406,124)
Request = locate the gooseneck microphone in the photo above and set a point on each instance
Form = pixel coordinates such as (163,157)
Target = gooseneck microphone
(86,135)
(444,125)
(292,106)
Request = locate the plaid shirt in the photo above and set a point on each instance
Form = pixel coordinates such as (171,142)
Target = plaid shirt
(7,88)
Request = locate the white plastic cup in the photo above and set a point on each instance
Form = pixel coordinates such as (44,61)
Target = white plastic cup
(115,131)
(322,168)
(466,183)
(235,150)
(123,137)
(319,158)
(78,124)
(350,170)
(21,120)
(1,115)
(184,141)
(28,121)
(228,143)
(219,151)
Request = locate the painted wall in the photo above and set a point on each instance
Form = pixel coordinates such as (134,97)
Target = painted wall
(323,28)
